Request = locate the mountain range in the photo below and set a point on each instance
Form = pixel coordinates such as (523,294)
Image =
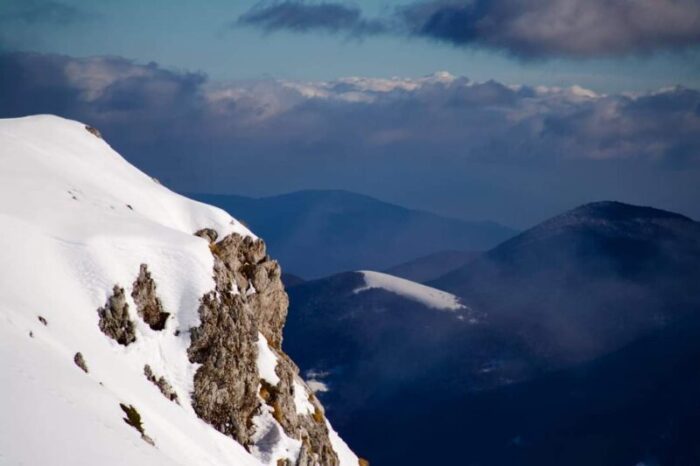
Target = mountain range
(142,327)
(562,314)
(318,233)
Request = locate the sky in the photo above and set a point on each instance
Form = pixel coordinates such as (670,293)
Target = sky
(504,110)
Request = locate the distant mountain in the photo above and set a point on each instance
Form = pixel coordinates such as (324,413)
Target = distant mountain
(363,334)
(432,266)
(569,291)
(587,281)
(318,233)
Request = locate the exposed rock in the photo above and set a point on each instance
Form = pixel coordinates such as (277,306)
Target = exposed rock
(79,361)
(148,304)
(163,385)
(249,299)
(309,428)
(225,386)
(208,234)
(114,318)
(43,321)
(133,418)
(94,131)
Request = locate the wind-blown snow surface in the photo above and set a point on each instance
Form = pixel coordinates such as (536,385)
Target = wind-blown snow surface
(426,295)
(76,219)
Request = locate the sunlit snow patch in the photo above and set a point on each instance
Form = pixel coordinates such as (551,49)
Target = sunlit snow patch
(426,295)
(267,361)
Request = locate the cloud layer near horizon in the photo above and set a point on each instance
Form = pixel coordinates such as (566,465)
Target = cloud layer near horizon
(208,136)
(528,29)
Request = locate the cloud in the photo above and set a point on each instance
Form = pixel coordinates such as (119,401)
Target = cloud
(535,29)
(448,132)
(440,113)
(41,11)
(564,28)
(298,16)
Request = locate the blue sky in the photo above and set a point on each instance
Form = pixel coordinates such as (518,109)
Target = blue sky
(204,36)
(204,94)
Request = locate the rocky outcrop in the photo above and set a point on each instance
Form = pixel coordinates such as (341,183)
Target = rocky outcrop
(163,385)
(309,426)
(79,361)
(148,304)
(94,131)
(133,418)
(228,391)
(207,233)
(114,318)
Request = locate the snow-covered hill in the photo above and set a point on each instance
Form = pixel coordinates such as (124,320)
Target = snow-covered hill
(78,222)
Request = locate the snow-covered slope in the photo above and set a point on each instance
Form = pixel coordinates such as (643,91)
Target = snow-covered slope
(76,219)
(426,295)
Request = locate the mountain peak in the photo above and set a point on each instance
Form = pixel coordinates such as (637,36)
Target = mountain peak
(108,270)
(602,219)
(620,211)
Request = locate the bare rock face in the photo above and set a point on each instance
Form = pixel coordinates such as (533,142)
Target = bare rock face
(148,305)
(225,386)
(310,427)
(163,385)
(228,391)
(114,318)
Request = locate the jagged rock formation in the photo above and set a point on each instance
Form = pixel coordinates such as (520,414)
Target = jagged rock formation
(311,425)
(228,391)
(163,385)
(114,318)
(148,304)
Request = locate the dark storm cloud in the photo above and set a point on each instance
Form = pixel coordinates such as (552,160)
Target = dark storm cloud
(303,17)
(567,28)
(210,136)
(527,29)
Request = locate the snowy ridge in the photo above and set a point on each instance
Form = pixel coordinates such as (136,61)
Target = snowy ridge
(426,295)
(76,219)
